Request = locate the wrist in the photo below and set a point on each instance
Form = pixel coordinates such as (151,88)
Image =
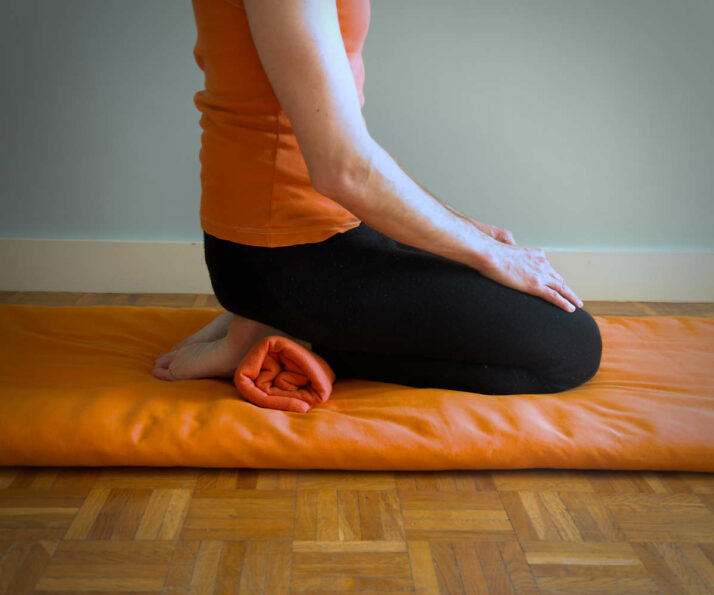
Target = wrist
(483,249)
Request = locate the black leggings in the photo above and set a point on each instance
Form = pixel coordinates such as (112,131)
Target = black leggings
(377,309)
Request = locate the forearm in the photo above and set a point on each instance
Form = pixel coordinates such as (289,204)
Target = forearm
(390,201)
(471,220)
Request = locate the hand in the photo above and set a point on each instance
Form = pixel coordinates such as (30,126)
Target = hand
(501,235)
(528,270)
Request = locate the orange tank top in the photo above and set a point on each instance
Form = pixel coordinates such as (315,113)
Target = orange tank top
(255,186)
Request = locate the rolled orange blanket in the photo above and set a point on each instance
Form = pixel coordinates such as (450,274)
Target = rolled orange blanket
(279,373)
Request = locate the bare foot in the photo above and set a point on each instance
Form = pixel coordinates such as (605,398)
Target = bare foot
(218,358)
(200,360)
(216,329)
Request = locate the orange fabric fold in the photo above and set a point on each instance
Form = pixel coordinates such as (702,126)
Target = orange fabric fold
(279,373)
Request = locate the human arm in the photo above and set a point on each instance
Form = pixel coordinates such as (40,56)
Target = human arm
(301,49)
(302,52)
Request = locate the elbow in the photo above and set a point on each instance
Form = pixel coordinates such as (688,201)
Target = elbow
(324,180)
(344,183)
(331,183)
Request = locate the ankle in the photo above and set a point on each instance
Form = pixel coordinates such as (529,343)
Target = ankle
(243,332)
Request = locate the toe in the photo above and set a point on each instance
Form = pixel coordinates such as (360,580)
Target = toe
(162,374)
(164,360)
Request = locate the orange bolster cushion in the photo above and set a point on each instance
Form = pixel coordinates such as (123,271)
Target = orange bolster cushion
(76,389)
(281,374)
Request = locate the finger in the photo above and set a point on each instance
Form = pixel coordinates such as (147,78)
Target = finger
(570,294)
(566,292)
(508,238)
(553,296)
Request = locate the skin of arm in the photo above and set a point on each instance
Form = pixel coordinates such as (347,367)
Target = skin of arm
(387,199)
(497,233)
(301,49)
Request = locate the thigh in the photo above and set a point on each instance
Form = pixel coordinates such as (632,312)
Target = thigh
(362,291)
(269,284)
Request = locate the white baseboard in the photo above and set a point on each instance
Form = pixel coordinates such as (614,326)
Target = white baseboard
(103,266)
(179,267)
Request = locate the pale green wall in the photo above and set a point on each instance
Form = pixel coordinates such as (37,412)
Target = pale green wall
(575,124)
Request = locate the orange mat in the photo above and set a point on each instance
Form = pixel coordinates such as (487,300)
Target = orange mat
(76,389)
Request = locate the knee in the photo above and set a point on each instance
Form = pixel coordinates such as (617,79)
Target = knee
(579,354)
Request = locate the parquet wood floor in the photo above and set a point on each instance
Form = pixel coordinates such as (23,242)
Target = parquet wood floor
(184,530)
